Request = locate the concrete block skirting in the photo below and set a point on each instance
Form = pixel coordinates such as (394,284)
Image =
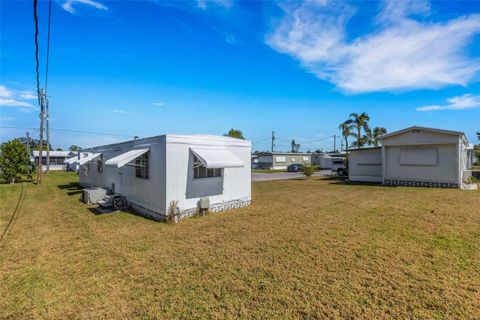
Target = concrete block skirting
(217,207)
(415,183)
(147,213)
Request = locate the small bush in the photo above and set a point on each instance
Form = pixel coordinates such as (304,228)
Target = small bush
(308,170)
(473,180)
(173,213)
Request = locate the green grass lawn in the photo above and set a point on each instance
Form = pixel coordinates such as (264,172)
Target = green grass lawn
(304,249)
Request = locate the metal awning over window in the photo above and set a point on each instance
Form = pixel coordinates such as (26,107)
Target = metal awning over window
(71,160)
(217,158)
(124,158)
(84,160)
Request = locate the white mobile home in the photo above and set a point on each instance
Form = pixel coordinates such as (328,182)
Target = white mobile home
(57,159)
(414,156)
(153,172)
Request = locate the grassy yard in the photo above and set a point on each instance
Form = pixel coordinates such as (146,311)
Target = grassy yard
(303,249)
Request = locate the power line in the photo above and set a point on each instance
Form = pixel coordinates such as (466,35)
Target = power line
(35,18)
(48,44)
(72,131)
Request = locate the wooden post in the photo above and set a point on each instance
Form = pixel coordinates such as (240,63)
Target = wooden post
(40,153)
(48,138)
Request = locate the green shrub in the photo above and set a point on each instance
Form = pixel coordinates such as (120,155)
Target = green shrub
(14,161)
(308,170)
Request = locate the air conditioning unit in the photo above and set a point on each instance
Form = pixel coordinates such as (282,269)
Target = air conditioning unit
(93,195)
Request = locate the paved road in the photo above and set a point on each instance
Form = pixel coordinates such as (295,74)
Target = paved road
(256,176)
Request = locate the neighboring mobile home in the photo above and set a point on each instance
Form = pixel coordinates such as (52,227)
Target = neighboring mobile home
(153,172)
(57,159)
(281,160)
(414,156)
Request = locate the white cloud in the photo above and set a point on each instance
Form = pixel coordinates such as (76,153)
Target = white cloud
(467,101)
(158,104)
(402,54)
(12,98)
(4,92)
(118,111)
(8,102)
(7,118)
(28,95)
(69,5)
(202,4)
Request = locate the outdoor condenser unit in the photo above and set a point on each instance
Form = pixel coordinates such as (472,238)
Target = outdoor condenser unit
(93,195)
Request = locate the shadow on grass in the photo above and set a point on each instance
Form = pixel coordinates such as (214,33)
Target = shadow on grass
(72,193)
(21,180)
(99,211)
(69,186)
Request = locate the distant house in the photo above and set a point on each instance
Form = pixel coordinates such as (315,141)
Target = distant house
(57,159)
(414,156)
(151,173)
(281,160)
(254,162)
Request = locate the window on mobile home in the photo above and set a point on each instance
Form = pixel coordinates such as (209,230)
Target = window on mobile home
(141,166)
(200,171)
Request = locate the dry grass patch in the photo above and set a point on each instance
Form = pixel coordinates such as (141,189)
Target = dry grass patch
(304,249)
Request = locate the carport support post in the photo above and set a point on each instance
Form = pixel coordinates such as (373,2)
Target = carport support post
(383,163)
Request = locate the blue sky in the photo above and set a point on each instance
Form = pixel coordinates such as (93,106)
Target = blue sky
(300,68)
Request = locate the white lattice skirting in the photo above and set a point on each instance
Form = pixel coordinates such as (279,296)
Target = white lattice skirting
(217,207)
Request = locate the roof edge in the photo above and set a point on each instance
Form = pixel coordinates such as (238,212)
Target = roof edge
(436,130)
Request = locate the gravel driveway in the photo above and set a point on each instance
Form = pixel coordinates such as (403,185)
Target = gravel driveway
(256,176)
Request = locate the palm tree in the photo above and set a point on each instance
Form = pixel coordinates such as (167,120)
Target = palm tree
(377,133)
(372,136)
(359,122)
(346,129)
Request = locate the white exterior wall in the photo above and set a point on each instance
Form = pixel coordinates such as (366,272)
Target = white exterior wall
(234,184)
(147,193)
(365,165)
(450,157)
(445,170)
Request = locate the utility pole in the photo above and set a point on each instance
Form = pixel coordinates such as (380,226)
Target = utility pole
(28,143)
(42,116)
(48,137)
(273,141)
(334,142)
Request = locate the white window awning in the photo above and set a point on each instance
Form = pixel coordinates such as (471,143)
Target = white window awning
(71,160)
(124,158)
(217,158)
(84,160)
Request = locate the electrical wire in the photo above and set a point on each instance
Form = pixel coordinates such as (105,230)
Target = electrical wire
(48,44)
(37,67)
(73,131)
